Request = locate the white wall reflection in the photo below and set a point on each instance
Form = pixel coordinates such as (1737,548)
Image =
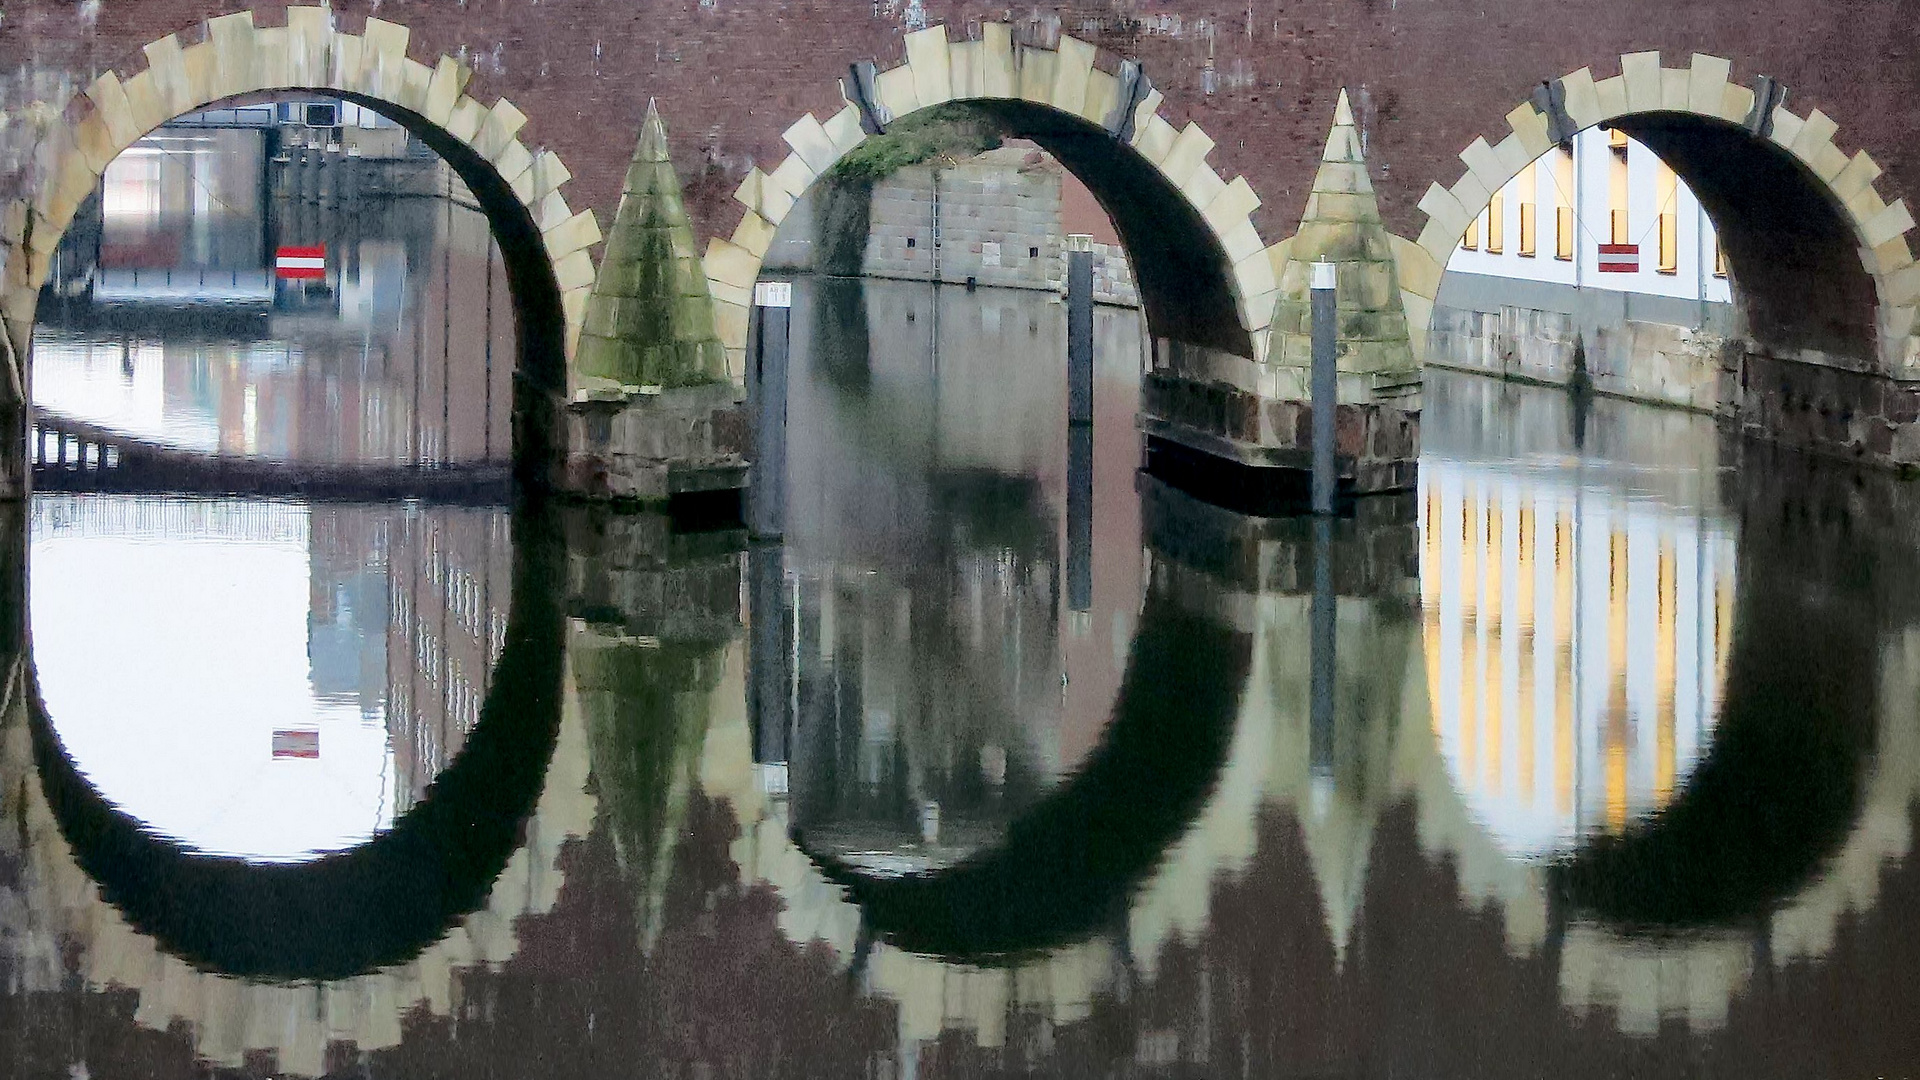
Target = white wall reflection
(1576,645)
(169,667)
(260,679)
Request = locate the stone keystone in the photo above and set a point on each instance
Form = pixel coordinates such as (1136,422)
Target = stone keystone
(1342,226)
(650,319)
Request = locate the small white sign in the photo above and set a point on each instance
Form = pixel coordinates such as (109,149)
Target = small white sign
(990,253)
(773,294)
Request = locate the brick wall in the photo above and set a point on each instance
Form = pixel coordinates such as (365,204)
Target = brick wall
(731,75)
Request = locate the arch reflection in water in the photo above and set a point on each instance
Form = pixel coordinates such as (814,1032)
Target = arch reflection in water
(379,902)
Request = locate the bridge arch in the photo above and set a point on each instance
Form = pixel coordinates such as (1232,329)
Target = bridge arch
(1822,265)
(544,243)
(1204,274)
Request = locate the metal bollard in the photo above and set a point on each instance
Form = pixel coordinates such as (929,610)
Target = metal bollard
(1325,387)
(767,395)
(1080,329)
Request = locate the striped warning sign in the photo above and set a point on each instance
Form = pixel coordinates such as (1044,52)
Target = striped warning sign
(301,262)
(1619,258)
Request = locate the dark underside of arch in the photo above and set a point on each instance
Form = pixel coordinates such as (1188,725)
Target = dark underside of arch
(1782,787)
(1069,866)
(1180,269)
(374,905)
(1793,254)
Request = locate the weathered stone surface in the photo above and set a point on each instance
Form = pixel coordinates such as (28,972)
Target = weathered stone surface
(650,317)
(1342,226)
(650,446)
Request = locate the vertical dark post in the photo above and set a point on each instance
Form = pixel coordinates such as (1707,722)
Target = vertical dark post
(767,401)
(1321,667)
(1326,389)
(1080,422)
(1080,517)
(1080,329)
(770,648)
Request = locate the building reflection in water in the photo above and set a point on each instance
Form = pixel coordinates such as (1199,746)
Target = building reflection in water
(1576,646)
(919,680)
(301,673)
(166,319)
(1383,886)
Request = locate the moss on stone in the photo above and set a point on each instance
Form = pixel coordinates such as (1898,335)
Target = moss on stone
(650,318)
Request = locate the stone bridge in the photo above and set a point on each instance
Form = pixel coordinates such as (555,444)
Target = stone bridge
(1204,133)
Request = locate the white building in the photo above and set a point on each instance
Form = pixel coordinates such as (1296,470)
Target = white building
(1582,216)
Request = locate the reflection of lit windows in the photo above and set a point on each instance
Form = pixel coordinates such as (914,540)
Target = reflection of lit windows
(1540,758)
(1529,181)
(1667,192)
(1496,224)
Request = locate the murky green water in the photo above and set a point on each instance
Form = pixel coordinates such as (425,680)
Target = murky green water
(1595,756)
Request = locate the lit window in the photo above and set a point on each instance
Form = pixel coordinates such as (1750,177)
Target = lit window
(1529,190)
(1618,225)
(1669,195)
(1496,224)
(1563,204)
(1719,259)
(1471,239)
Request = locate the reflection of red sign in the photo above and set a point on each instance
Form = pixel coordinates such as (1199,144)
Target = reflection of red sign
(296,744)
(301,262)
(1619,258)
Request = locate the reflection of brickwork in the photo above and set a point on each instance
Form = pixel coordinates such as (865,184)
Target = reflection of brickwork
(450,573)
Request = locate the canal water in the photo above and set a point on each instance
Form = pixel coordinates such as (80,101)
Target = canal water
(1595,756)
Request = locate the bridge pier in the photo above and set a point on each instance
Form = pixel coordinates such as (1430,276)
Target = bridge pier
(653,413)
(1259,414)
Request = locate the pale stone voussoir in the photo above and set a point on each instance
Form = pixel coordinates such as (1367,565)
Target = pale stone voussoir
(931,63)
(1894,221)
(1188,153)
(1582,100)
(1441,207)
(1611,94)
(810,140)
(1640,72)
(1073,63)
(1707,83)
(577,232)
(896,92)
(1530,128)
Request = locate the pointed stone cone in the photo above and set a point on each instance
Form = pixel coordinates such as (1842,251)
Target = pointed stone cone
(650,317)
(1342,226)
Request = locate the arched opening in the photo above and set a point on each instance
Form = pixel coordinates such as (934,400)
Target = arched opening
(1670,236)
(297,291)
(1655,243)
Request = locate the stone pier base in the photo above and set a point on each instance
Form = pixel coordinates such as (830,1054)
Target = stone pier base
(654,445)
(1269,441)
(1860,416)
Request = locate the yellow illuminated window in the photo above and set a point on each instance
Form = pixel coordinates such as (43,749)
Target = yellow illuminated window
(1471,241)
(1529,178)
(1496,224)
(1669,196)
(1618,226)
(1563,204)
(1719,259)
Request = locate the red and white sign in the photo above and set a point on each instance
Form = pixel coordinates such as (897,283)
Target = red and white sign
(301,262)
(1619,258)
(304,745)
